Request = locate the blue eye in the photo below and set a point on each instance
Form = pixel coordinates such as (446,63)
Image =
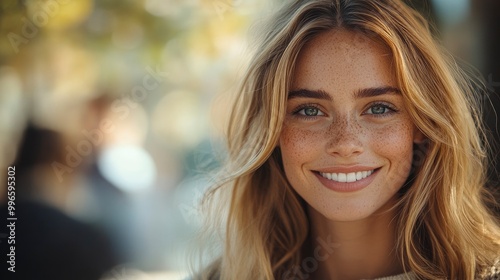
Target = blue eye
(309,111)
(380,110)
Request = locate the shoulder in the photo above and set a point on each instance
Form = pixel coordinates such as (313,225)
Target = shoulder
(492,272)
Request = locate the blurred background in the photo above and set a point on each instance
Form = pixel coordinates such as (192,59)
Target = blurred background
(110,112)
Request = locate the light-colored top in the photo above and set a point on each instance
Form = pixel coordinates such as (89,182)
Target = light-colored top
(490,273)
(403,276)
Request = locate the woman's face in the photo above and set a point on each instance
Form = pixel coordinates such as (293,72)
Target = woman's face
(347,139)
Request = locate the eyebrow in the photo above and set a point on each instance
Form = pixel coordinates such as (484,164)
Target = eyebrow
(306,93)
(362,93)
(376,91)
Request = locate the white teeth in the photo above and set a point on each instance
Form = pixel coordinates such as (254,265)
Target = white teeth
(347,177)
(342,177)
(351,177)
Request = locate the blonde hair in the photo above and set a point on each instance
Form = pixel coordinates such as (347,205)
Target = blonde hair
(445,230)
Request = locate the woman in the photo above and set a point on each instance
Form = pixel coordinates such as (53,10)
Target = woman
(355,152)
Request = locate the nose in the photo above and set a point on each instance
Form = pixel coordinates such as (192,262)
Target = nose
(344,138)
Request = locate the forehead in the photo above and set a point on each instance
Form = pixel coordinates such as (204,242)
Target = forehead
(342,58)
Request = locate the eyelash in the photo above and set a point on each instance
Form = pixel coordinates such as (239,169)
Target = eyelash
(306,106)
(392,110)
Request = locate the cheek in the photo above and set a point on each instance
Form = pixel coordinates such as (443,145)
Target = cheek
(394,139)
(298,146)
(296,143)
(395,144)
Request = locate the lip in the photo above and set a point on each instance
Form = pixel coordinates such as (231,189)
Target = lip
(346,169)
(346,187)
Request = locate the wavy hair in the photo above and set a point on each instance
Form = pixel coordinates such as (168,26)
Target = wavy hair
(444,228)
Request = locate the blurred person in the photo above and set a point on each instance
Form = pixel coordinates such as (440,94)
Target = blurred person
(49,243)
(356,151)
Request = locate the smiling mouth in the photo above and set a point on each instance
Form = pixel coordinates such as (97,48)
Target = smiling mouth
(347,177)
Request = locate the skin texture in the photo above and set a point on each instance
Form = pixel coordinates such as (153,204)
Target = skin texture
(348,131)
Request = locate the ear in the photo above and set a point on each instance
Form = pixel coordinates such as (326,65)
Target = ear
(418,136)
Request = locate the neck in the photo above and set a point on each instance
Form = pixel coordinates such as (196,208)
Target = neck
(362,249)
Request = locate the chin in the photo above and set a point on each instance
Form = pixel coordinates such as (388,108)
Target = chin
(354,211)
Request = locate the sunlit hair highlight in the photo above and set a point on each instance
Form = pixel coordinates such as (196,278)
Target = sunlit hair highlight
(444,229)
